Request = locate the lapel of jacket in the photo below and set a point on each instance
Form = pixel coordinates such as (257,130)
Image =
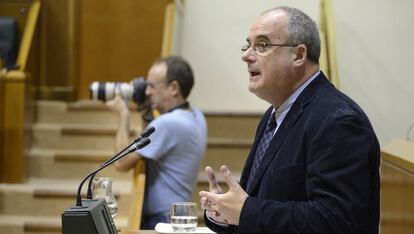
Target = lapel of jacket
(249,161)
(294,113)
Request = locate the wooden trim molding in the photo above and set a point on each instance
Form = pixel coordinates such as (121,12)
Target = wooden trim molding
(62,93)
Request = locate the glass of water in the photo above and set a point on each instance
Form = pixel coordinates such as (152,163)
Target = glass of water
(102,188)
(184,216)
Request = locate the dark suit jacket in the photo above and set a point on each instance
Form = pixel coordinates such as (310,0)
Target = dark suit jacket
(320,173)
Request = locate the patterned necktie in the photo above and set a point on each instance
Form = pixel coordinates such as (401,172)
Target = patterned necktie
(262,147)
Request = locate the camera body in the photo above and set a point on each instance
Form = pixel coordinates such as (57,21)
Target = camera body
(105,91)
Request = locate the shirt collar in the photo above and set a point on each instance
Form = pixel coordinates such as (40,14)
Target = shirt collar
(282,111)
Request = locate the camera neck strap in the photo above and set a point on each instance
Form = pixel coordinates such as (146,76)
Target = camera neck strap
(184,105)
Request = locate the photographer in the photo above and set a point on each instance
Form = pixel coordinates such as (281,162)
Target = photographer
(177,145)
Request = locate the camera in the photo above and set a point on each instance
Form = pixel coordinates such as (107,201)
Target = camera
(104,91)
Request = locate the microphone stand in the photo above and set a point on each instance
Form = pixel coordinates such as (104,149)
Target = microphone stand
(147,132)
(93,215)
(144,142)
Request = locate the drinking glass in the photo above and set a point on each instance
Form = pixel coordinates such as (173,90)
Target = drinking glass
(102,188)
(184,216)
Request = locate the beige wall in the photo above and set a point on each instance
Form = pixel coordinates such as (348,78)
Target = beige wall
(373,48)
(212,35)
(374,40)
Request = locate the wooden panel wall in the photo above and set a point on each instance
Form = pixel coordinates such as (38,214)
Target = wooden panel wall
(118,40)
(55,43)
(87,40)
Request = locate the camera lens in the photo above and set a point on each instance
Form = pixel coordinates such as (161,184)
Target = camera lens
(126,90)
(105,91)
(102,90)
(139,95)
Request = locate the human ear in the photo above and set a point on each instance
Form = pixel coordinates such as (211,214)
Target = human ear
(174,87)
(301,55)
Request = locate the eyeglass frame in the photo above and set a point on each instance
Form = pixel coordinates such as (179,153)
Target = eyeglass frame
(267,45)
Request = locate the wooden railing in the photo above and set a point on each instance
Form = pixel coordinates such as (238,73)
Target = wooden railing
(138,189)
(13,107)
(28,33)
(397,187)
(12,90)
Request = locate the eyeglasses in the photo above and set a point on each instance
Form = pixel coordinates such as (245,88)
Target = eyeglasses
(153,84)
(262,47)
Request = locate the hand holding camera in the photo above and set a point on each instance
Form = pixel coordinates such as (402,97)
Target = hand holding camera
(117,104)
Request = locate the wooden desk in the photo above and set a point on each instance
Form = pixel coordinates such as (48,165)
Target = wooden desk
(137,232)
(400,153)
(397,187)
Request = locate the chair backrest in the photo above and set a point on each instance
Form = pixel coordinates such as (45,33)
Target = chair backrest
(8,41)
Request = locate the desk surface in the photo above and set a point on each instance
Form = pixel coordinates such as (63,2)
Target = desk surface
(137,232)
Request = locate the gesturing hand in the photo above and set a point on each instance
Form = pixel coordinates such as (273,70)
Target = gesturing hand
(223,207)
(214,188)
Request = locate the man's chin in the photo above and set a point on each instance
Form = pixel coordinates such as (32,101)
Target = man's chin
(252,88)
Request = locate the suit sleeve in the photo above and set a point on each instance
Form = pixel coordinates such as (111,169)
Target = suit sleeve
(218,228)
(337,184)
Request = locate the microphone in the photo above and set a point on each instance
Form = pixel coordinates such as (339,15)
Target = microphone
(146,133)
(93,215)
(129,149)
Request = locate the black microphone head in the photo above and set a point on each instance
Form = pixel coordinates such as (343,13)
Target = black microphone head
(147,132)
(143,143)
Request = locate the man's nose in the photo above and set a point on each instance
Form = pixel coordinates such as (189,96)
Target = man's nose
(248,56)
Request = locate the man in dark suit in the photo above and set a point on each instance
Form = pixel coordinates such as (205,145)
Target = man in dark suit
(314,164)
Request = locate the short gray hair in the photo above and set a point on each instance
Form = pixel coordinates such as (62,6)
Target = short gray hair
(302,30)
